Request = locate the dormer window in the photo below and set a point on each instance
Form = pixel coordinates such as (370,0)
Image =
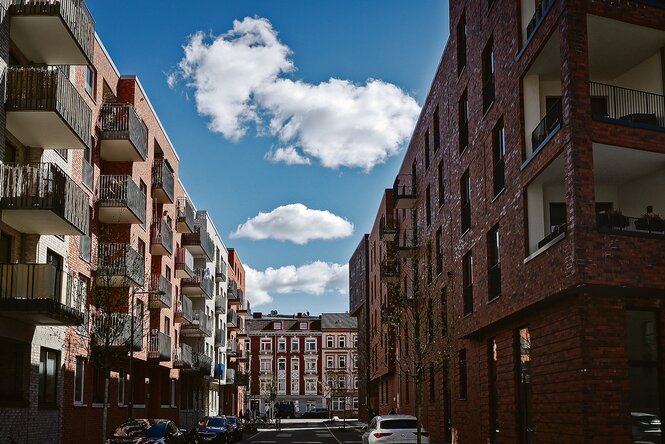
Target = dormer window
(277,325)
(303,326)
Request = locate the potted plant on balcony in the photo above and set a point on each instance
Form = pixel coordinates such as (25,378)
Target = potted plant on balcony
(616,219)
(650,221)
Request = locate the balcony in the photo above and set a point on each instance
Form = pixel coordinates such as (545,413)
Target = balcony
(45,110)
(310,371)
(159,283)
(114,330)
(199,243)
(220,305)
(265,351)
(199,285)
(220,338)
(244,308)
(42,199)
(241,296)
(184,314)
(120,201)
(388,228)
(232,292)
(629,191)
(123,137)
(41,294)
(389,271)
(627,106)
(120,265)
(232,349)
(159,346)
(162,182)
(161,238)
(407,243)
(533,14)
(184,216)
(184,263)
(202,363)
(199,327)
(220,271)
(60,32)
(230,376)
(232,320)
(404,192)
(182,357)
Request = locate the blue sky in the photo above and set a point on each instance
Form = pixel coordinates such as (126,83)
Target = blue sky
(354,41)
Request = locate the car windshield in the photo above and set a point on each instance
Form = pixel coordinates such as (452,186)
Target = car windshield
(232,420)
(393,424)
(216,422)
(141,428)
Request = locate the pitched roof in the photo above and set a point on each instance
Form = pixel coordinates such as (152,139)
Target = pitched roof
(334,321)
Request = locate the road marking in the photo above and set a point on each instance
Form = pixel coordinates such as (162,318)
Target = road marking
(332,434)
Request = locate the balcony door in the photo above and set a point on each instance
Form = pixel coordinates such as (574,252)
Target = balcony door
(54,259)
(5,248)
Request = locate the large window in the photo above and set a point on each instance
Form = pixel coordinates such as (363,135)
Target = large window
(488,75)
(79,380)
(461,44)
(493,264)
(341,359)
(295,344)
(465,201)
(310,365)
(341,341)
(463,122)
(295,386)
(330,361)
(524,379)
(265,365)
(498,157)
(330,341)
(281,344)
(338,403)
(281,364)
(428,206)
(295,366)
(440,183)
(310,386)
(467,282)
(310,344)
(266,344)
(49,361)
(281,386)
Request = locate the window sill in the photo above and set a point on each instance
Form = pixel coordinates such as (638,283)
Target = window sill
(466,148)
(80,404)
(494,299)
(545,247)
(499,194)
(465,232)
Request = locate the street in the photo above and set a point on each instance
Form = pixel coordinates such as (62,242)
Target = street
(309,432)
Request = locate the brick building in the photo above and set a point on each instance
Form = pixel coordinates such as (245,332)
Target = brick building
(528,197)
(107,270)
(339,359)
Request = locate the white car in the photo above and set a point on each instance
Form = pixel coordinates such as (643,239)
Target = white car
(394,429)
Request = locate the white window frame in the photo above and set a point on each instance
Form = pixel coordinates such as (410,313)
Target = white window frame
(330,341)
(296,342)
(310,344)
(341,341)
(355,382)
(341,360)
(281,386)
(295,386)
(281,345)
(266,344)
(277,325)
(310,365)
(304,325)
(295,368)
(355,403)
(330,362)
(263,367)
(310,386)
(341,382)
(281,362)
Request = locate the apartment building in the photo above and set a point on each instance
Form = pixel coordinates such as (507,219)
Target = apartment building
(108,274)
(285,362)
(359,309)
(530,198)
(339,358)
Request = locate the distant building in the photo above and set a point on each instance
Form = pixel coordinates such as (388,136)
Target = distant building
(339,356)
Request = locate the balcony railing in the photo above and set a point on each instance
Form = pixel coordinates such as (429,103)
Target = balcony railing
(200,325)
(406,242)
(557,231)
(120,265)
(184,263)
(404,191)
(199,284)
(120,200)
(184,314)
(159,346)
(42,187)
(182,356)
(646,226)
(202,363)
(34,92)
(41,294)
(232,349)
(162,181)
(542,7)
(220,271)
(123,135)
(628,106)
(232,319)
(232,291)
(388,228)
(220,305)
(159,283)
(220,338)
(488,92)
(548,126)
(87,174)
(199,243)
(389,271)
(230,376)
(161,238)
(74,14)
(494,281)
(114,330)
(184,216)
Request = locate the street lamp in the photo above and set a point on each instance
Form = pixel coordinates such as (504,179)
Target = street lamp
(130,409)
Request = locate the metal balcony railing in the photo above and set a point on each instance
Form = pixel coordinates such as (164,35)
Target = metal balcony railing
(74,13)
(184,261)
(232,349)
(625,105)
(220,305)
(184,314)
(202,363)
(159,283)
(44,186)
(542,7)
(232,319)
(200,325)
(388,227)
(115,330)
(232,291)
(47,88)
(159,346)
(119,121)
(220,271)
(230,376)
(201,239)
(550,123)
(120,263)
(182,356)
(389,271)
(404,191)
(121,191)
(199,281)
(184,215)
(220,338)
(163,179)
(161,234)
(52,295)
(646,226)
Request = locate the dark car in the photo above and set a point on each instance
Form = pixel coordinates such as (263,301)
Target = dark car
(316,413)
(235,427)
(285,410)
(646,427)
(212,429)
(148,431)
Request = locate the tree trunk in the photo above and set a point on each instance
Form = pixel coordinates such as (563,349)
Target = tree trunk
(105,412)
(419,408)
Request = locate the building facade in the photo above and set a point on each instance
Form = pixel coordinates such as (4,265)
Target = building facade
(530,199)
(339,358)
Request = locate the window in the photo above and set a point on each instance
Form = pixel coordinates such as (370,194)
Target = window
(493,264)
(524,390)
(79,380)
(12,377)
(462,375)
(304,326)
(295,366)
(465,201)
(355,361)
(463,122)
(436,130)
(265,365)
(461,44)
(330,362)
(281,344)
(295,344)
(295,386)
(493,385)
(337,403)
(439,250)
(430,320)
(467,282)
(440,183)
(341,361)
(427,149)
(49,362)
(310,386)
(281,364)
(310,345)
(341,341)
(498,156)
(310,365)
(330,341)
(355,382)
(488,75)
(90,81)
(444,311)
(281,386)
(341,382)
(266,344)
(277,326)
(355,403)
(355,341)
(428,206)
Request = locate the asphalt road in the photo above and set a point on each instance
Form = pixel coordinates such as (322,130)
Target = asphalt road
(306,433)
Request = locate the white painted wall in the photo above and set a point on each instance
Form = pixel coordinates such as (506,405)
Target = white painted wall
(647,76)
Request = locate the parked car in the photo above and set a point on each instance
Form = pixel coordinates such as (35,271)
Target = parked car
(646,427)
(316,413)
(285,410)
(394,429)
(148,431)
(213,429)
(234,427)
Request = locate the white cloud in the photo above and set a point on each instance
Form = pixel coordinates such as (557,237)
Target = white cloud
(295,223)
(316,278)
(238,78)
